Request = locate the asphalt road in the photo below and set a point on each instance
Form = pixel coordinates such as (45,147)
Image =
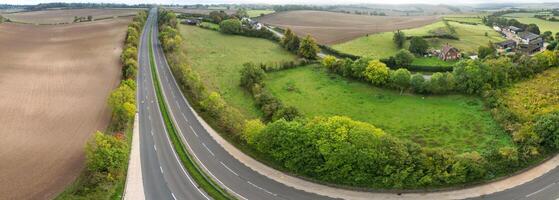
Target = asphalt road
(165,178)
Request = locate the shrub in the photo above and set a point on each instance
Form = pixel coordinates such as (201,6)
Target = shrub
(308,48)
(106,155)
(417,83)
(230,26)
(401,79)
(290,41)
(403,58)
(251,75)
(547,127)
(377,72)
(251,129)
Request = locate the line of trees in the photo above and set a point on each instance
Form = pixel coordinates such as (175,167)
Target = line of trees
(107,153)
(492,20)
(474,76)
(306,48)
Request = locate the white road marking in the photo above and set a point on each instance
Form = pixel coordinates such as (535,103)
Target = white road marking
(149,117)
(256,186)
(175,198)
(154,147)
(193,131)
(229,168)
(545,188)
(184,117)
(204,144)
(160,168)
(152,133)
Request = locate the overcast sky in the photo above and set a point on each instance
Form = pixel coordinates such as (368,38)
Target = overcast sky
(279,1)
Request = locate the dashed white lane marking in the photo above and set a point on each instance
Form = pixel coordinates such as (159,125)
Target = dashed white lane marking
(173,195)
(256,186)
(151,133)
(204,144)
(226,167)
(154,147)
(149,117)
(184,117)
(545,188)
(193,131)
(160,168)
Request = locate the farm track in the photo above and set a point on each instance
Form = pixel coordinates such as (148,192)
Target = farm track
(55,81)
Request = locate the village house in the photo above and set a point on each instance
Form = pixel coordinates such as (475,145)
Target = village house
(449,52)
(252,23)
(513,29)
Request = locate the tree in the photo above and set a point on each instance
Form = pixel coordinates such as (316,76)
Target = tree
(441,83)
(122,102)
(358,67)
(484,52)
(242,13)
(251,75)
(230,26)
(557,36)
(418,46)
(547,127)
(470,75)
(399,39)
(401,79)
(328,62)
(403,58)
(377,72)
(308,48)
(547,36)
(533,28)
(252,129)
(290,41)
(417,83)
(106,155)
(214,104)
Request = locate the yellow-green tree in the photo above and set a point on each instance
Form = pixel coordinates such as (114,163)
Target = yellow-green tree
(377,72)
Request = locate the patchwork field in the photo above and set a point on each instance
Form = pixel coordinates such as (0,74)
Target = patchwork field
(218,58)
(257,13)
(55,84)
(536,96)
(340,27)
(455,122)
(381,45)
(66,16)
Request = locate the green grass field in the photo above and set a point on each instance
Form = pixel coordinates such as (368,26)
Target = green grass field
(455,122)
(218,58)
(432,61)
(257,13)
(381,45)
(528,18)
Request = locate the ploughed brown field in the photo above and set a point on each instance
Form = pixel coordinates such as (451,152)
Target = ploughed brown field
(200,11)
(333,28)
(66,16)
(54,85)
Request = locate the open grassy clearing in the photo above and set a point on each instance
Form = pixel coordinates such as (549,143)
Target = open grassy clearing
(381,45)
(432,61)
(66,16)
(200,10)
(536,96)
(340,27)
(218,58)
(455,122)
(543,24)
(58,79)
(257,13)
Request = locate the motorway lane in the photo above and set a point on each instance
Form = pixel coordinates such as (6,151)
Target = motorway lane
(164,176)
(235,177)
(545,187)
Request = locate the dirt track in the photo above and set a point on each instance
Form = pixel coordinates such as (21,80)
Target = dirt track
(333,28)
(54,83)
(66,16)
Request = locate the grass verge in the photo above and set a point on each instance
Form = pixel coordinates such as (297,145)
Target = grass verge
(193,170)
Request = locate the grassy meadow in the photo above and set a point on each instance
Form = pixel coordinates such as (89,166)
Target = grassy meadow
(381,45)
(528,18)
(454,122)
(257,13)
(218,58)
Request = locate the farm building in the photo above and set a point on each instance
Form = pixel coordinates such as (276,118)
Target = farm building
(513,29)
(449,52)
(530,43)
(506,46)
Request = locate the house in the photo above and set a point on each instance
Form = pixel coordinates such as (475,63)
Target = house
(513,29)
(497,28)
(252,23)
(530,43)
(191,21)
(449,53)
(506,46)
